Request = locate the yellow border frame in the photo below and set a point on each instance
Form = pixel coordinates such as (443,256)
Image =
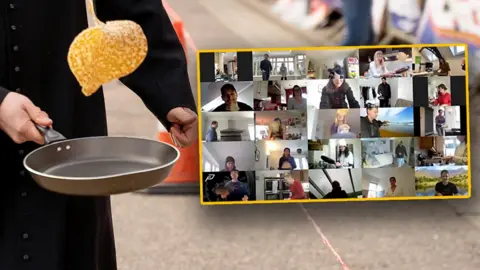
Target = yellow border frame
(327,48)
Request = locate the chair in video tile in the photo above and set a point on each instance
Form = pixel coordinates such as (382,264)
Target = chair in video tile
(226,96)
(388,152)
(441,151)
(229,186)
(441,180)
(388,182)
(335,184)
(228,127)
(282,125)
(281,155)
(282,185)
(335,154)
(387,122)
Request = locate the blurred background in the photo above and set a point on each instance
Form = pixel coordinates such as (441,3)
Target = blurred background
(175,232)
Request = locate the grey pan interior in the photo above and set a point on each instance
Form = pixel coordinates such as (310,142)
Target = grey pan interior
(98,166)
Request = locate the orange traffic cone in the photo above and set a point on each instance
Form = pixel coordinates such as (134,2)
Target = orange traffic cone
(185,176)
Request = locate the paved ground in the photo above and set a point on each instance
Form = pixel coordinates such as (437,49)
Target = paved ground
(175,232)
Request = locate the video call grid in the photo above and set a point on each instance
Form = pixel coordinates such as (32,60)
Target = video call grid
(293,113)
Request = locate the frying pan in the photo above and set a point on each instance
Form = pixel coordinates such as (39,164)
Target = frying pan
(99,166)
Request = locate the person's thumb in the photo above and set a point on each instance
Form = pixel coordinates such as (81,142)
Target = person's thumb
(38,116)
(31,133)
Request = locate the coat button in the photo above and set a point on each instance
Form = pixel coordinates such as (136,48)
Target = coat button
(24,194)
(21,152)
(12,6)
(16,48)
(17,69)
(18,90)
(13,27)
(25,236)
(26,257)
(22,173)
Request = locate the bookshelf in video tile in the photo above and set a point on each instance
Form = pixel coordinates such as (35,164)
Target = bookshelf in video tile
(286,124)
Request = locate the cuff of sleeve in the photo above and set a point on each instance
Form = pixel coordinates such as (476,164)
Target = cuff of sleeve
(3,93)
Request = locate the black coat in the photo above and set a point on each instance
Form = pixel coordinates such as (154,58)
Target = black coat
(41,230)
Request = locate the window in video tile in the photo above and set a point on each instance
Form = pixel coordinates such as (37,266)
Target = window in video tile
(335,154)
(386,92)
(387,122)
(283,125)
(441,180)
(388,62)
(388,152)
(335,124)
(442,121)
(335,184)
(388,182)
(226,97)
(441,151)
(280,95)
(439,61)
(279,65)
(282,185)
(327,64)
(281,155)
(229,186)
(228,126)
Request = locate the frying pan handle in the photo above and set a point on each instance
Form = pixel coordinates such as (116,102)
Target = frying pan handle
(50,135)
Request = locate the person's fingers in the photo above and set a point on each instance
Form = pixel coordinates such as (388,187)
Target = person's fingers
(179,136)
(37,115)
(183,116)
(31,133)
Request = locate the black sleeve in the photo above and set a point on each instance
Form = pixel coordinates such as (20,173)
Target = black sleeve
(280,162)
(455,190)
(3,93)
(437,188)
(325,100)
(352,102)
(162,80)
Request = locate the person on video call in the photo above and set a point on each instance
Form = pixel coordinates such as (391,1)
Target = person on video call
(378,68)
(286,157)
(400,154)
(276,130)
(229,96)
(229,164)
(443,68)
(384,93)
(283,72)
(266,67)
(340,119)
(440,123)
(345,157)
(238,191)
(393,190)
(461,152)
(295,186)
(336,91)
(297,102)
(286,166)
(443,97)
(343,132)
(212,135)
(370,126)
(337,192)
(44,230)
(445,187)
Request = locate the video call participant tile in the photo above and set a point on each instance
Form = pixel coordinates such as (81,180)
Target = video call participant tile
(281,125)
(280,95)
(386,92)
(335,184)
(440,91)
(387,122)
(441,180)
(441,121)
(335,124)
(439,61)
(225,66)
(385,62)
(226,96)
(388,182)
(229,186)
(225,156)
(441,151)
(328,64)
(335,154)
(282,185)
(335,93)
(228,126)
(279,65)
(281,155)
(388,152)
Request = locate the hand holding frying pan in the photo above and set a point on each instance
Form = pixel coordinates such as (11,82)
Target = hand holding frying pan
(99,166)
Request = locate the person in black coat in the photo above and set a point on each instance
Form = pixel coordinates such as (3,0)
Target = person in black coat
(337,192)
(45,230)
(337,92)
(266,67)
(384,93)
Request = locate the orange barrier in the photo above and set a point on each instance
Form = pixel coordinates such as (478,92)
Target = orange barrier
(177,25)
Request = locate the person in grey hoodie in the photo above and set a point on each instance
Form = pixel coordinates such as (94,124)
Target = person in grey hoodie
(212,135)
